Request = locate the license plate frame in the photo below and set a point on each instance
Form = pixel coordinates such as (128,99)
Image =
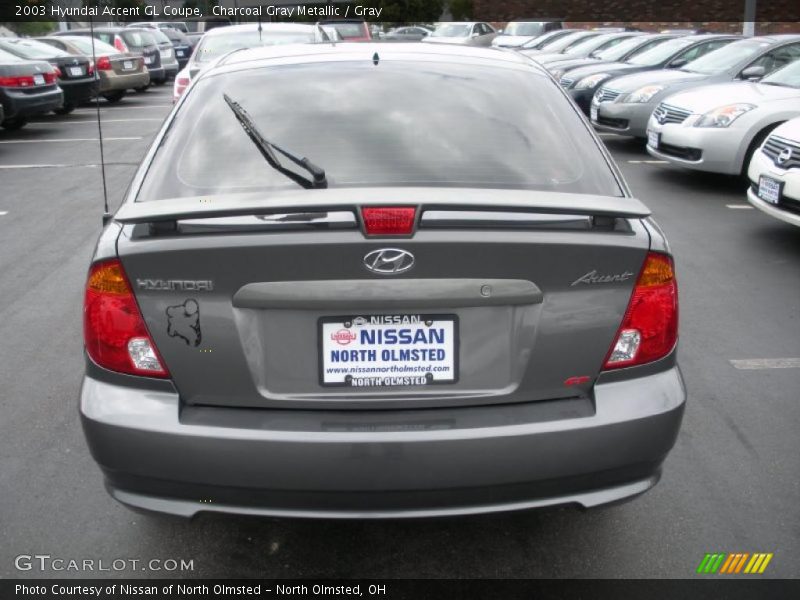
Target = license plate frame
(773,186)
(387,379)
(653,139)
(128,65)
(76,72)
(149,60)
(38,79)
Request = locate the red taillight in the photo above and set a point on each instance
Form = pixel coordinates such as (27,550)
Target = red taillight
(181,83)
(51,77)
(114,331)
(103,63)
(119,44)
(389,220)
(649,329)
(57,71)
(18,82)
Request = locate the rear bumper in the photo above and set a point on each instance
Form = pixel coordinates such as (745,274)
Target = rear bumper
(380,464)
(156,73)
(17,104)
(78,92)
(116,82)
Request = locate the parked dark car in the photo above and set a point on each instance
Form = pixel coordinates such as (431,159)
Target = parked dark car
(128,39)
(75,73)
(480,319)
(116,71)
(180,44)
(27,88)
(583,82)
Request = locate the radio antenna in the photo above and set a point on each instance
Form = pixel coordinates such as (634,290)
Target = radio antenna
(106,214)
(259,28)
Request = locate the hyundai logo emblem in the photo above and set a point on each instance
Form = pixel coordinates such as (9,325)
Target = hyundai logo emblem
(784,156)
(389,261)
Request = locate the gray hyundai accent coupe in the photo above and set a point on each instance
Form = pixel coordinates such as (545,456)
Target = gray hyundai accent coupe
(357,281)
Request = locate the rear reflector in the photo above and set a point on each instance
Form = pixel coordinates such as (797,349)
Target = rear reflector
(119,44)
(388,220)
(114,331)
(180,85)
(104,63)
(649,329)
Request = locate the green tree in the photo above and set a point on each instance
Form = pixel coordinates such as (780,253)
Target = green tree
(461,9)
(31,28)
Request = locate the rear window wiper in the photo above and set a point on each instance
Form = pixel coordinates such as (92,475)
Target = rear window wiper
(268,150)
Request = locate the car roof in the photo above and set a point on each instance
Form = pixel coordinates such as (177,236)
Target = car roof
(776,38)
(310,53)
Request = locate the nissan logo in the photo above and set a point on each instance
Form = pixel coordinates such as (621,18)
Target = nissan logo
(389,261)
(784,156)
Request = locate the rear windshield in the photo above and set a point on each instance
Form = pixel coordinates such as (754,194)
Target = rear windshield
(615,53)
(399,123)
(159,36)
(32,49)
(662,52)
(7,57)
(138,39)
(85,46)
(213,46)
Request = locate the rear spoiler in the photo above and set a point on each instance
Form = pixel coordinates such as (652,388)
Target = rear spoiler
(337,199)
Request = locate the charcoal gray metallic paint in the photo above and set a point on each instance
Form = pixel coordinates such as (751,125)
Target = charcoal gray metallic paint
(225,434)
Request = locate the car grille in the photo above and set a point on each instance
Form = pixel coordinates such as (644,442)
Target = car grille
(607,95)
(566,82)
(691,154)
(784,153)
(666,113)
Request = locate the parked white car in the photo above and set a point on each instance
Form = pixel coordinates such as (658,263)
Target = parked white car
(774,174)
(717,128)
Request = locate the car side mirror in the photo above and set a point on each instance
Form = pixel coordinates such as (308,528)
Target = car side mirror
(677,63)
(753,73)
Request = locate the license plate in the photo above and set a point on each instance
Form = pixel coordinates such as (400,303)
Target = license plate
(370,351)
(593,112)
(127,65)
(179,53)
(38,79)
(75,71)
(769,190)
(148,60)
(653,138)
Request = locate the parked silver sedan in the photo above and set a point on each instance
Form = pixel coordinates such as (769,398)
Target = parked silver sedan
(774,174)
(623,105)
(465,34)
(339,288)
(717,128)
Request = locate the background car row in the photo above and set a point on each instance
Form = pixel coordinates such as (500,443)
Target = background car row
(62,71)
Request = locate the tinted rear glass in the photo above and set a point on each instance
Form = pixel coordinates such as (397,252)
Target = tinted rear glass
(138,39)
(84,44)
(396,124)
(32,49)
(524,28)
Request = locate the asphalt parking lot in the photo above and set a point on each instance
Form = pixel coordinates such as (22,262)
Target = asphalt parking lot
(730,484)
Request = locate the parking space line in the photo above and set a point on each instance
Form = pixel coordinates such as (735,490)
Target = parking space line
(105,139)
(94,122)
(766,363)
(3,213)
(739,206)
(116,108)
(64,166)
(648,162)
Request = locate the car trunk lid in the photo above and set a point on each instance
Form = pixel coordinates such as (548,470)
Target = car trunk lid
(257,304)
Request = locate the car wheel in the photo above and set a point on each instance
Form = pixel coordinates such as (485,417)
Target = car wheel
(160,81)
(13,124)
(142,89)
(114,96)
(64,110)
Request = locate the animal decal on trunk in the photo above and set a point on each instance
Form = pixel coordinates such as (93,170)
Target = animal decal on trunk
(184,322)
